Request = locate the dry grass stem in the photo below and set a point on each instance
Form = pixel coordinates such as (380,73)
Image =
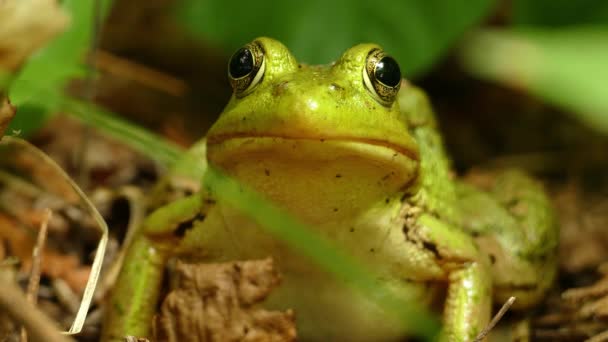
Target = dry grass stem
(505,307)
(39,326)
(152,78)
(34,281)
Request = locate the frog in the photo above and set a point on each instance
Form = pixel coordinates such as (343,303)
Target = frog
(354,151)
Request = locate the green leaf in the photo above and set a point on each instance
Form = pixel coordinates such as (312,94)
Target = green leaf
(559,12)
(416,32)
(566,67)
(31,118)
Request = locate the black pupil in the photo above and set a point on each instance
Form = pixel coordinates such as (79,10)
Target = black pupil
(241,63)
(388,72)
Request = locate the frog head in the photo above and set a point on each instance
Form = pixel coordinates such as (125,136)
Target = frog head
(324,142)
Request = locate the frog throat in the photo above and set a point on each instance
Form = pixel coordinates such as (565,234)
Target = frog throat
(316,179)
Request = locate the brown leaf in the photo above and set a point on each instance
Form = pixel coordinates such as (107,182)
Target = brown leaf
(54,265)
(215,302)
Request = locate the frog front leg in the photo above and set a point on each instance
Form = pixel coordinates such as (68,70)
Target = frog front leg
(136,293)
(468,301)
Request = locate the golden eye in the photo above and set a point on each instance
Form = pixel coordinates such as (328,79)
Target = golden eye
(246,68)
(382,76)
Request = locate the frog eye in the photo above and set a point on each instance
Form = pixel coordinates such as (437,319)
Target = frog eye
(246,68)
(382,76)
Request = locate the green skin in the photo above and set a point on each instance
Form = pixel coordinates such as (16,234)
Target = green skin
(375,179)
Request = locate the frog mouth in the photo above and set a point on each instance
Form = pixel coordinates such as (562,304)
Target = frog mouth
(339,175)
(404,151)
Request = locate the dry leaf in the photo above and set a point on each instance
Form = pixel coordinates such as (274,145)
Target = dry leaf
(216,302)
(26,26)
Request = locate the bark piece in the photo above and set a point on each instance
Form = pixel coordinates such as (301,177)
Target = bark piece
(216,302)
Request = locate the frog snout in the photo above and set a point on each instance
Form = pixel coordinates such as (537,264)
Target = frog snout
(296,99)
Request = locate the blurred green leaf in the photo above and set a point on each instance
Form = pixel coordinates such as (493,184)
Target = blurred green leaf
(31,117)
(63,58)
(567,67)
(416,32)
(559,12)
(140,139)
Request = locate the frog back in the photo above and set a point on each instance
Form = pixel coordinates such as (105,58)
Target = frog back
(434,190)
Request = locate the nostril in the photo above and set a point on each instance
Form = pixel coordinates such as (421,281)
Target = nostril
(280,88)
(335,87)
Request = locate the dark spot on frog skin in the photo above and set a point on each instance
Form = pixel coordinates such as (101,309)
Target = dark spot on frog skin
(279,89)
(519,287)
(492,258)
(352,229)
(185,226)
(517,208)
(385,177)
(244,118)
(432,248)
(372,250)
(512,203)
(335,210)
(338,175)
(266,172)
(322,140)
(299,66)
(405,229)
(386,200)
(335,86)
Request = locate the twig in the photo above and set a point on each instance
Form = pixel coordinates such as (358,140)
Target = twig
(495,320)
(34,282)
(133,71)
(39,326)
(65,295)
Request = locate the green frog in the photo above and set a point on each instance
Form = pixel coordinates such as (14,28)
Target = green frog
(354,151)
